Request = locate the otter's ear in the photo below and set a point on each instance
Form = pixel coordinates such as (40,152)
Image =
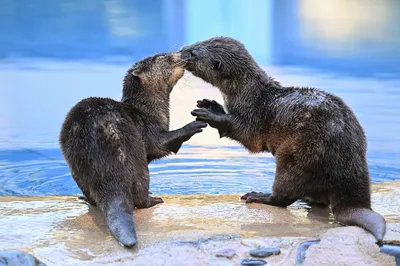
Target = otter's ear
(135,73)
(217,64)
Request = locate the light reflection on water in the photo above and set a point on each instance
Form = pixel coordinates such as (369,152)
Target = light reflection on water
(33,165)
(207,172)
(42,79)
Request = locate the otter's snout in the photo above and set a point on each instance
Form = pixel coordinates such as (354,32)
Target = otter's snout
(188,53)
(176,57)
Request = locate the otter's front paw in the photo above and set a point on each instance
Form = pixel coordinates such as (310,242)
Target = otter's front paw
(194,128)
(211,105)
(205,115)
(185,133)
(218,121)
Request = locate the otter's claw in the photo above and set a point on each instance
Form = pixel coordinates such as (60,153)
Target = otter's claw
(195,127)
(211,105)
(203,115)
(218,121)
(256,197)
(154,201)
(251,194)
(86,200)
(185,133)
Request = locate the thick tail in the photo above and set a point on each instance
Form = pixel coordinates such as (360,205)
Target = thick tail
(119,219)
(365,218)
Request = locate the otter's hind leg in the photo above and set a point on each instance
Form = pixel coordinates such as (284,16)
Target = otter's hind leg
(254,194)
(140,190)
(320,200)
(286,188)
(86,193)
(87,199)
(274,199)
(268,198)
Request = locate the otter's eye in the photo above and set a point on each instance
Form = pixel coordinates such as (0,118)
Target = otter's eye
(193,53)
(217,64)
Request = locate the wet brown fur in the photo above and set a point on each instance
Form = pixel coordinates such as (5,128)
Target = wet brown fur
(108,144)
(318,143)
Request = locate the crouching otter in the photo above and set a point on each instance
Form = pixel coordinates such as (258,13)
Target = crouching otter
(318,143)
(108,144)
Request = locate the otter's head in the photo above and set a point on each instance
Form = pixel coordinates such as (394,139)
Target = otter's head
(156,75)
(217,59)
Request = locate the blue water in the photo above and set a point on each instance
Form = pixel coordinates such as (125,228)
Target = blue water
(54,53)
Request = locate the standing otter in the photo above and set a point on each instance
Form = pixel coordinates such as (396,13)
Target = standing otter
(108,144)
(318,143)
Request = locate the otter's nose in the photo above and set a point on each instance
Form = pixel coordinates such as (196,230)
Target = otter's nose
(188,53)
(176,57)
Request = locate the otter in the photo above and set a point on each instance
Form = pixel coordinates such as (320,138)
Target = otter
(316,139)
(108,144)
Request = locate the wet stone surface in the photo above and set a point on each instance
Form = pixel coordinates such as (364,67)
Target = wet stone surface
(252,262)
(264,252)
(191,230)
(226,253)
(17,257)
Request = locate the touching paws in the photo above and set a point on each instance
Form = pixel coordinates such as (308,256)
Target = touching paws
(195,127)
(185,133)
(211,105)
(203,114)
(215,120)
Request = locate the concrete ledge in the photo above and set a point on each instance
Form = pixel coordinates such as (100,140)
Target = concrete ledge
(191,230)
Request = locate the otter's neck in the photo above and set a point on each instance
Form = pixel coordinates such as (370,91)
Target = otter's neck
(247,84)
(153,102)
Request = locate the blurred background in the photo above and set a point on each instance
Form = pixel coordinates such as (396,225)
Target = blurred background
(54,53)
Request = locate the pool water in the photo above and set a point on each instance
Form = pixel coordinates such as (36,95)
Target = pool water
(50,58)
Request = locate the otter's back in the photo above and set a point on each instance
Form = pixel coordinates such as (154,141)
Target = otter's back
(98,137)
(316,111)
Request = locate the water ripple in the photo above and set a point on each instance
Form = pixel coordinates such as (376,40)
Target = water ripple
(196,170)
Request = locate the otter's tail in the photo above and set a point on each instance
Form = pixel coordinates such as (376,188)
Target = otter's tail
(119,219)
(365,218)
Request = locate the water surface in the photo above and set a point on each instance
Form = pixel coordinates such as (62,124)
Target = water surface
(50,58)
